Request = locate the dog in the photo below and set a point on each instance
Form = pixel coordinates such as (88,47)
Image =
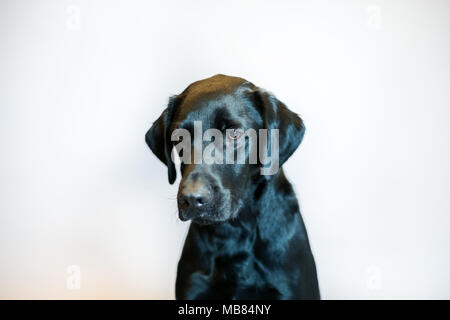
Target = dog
(247,239)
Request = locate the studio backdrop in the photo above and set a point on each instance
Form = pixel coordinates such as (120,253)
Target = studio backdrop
(85,207)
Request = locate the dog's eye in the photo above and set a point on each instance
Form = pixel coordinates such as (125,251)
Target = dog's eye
(234,134)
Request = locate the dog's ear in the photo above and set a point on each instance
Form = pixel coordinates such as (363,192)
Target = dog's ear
(158,139)
(276,115)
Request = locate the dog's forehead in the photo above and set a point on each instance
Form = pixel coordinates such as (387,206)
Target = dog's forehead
(204,106)
(217,84)
(212,98)
(216,88)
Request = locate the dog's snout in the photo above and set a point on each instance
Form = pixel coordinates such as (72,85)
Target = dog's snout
(195,194)
(194,200)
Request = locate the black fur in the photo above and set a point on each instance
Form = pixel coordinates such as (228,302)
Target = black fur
(250,242)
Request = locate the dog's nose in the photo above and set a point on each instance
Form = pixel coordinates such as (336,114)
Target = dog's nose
(195,200)
(195,194)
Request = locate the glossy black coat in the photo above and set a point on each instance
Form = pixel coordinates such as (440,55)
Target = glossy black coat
(250,242)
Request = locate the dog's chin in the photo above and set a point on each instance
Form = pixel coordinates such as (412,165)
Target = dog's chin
(211,220)
(206,222)
(205,219)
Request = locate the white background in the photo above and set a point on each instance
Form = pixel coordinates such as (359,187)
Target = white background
(82,81)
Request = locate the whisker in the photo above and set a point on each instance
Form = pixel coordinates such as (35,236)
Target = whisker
(173,197)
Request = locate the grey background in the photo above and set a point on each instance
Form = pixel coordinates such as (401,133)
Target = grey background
(81,82)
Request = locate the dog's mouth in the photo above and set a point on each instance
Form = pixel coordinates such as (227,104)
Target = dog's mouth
(205,222)
(202,219)
(217,213)
(205,218)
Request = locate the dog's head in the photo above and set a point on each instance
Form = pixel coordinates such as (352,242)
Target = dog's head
(211,124)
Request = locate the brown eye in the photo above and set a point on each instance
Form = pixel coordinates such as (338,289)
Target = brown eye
(234,134)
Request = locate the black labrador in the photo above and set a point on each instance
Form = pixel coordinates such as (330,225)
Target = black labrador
(247,239)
